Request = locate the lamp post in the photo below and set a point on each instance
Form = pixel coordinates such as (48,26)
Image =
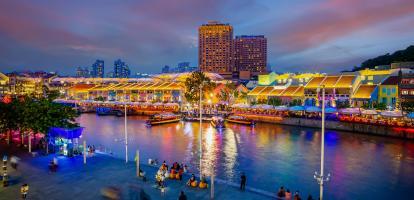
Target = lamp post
(201,129)
(126,131)
(320,178)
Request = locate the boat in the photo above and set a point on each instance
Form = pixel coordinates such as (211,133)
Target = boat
(240,120)
(102,111)
(162,118)
(195,119)
(217,122)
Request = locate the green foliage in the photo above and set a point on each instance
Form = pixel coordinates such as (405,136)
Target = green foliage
(193,84)
(398,56)
(407,106)
(366,106)
(29,114)
(342,104)
(275,101)
(100,98)
(295,102)
(380,106)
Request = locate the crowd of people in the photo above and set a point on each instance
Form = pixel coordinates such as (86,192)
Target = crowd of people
(176,171)
(285,194)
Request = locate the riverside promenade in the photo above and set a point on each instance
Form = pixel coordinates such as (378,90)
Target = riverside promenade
(75,180)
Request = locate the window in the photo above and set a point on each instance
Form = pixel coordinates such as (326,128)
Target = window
(411,92)
(384,99)
(362,78)
(393,100)
(393,90)
(384,90)
(370,78)
(388,91)
(404,92)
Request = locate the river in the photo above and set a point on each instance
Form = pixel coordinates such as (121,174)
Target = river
(361,166)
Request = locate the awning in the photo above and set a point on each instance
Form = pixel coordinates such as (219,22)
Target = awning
(369,112)
(313,109)
(67,133)
(281,108)
(395,113)
(331,110)
(296,108)
(350,111)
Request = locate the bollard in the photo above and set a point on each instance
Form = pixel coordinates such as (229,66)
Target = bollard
(84,152)
(5,178)
(137,162)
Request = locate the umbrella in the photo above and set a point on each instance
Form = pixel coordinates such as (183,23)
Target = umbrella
(350,111)
(296,108)
(281,108)
(313,109)
(394,113)
(331,110)
(240,105)
(410,115)
(369,112)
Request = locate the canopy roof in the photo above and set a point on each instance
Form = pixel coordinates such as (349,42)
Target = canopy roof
(140,86)
(340,81)
(290,91)
(364,92)
(67,133)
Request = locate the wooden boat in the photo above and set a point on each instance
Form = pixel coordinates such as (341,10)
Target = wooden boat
(240,120)
(102,111)
(217,122)
(162,118)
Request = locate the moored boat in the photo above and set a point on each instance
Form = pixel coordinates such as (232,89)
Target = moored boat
(217,122)
(240,120)
(162,118)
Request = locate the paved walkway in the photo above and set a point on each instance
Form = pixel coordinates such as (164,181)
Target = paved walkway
(74,180)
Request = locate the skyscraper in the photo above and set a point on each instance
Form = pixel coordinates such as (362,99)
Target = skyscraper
(166,69)
(121,70)
(80,72)
(215,47)
(250,54)
(98,69)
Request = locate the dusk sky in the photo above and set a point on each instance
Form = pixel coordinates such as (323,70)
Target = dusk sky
(303,35)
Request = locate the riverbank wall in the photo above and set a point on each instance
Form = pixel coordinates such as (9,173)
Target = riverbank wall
(398,132)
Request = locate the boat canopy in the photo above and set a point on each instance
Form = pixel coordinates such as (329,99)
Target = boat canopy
(67,133)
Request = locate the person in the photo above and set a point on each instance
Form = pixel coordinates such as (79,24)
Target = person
(288,194)
(203,182)
(192,181)
(297,196)
(55,161)
(281,194)
(310,197)
(14,161)
(182,196)
(243,181)
(24,190)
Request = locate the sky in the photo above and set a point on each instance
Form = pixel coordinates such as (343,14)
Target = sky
(303,35)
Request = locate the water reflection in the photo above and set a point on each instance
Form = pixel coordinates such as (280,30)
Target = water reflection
(362,166)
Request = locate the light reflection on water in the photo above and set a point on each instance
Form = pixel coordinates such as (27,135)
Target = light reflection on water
(366,167)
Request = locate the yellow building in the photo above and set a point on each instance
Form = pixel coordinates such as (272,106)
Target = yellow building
(4,84)
(388,91)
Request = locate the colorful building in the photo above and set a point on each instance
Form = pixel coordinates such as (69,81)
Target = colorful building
(388,92)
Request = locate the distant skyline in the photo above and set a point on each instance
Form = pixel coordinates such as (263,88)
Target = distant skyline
(303,35)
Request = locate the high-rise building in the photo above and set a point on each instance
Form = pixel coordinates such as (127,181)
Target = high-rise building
(82,72)
(165,69)
(98,69)
(183,67)
(215,47)
(121,70)
(250,54)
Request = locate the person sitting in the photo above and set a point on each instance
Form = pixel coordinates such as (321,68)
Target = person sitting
(192,182)
(172,173)
(203,182)
(179,175)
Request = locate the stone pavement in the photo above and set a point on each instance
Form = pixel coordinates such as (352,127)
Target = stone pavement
(74,180)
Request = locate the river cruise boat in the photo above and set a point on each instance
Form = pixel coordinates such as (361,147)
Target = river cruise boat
(240,120)
(217,122)
(162,118)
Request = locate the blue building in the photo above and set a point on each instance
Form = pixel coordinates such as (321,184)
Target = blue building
(121,70)
(98,69)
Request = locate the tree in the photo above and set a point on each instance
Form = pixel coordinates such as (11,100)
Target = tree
(380,106)
(295,102)
(342,104)
(193,83)
(275,101)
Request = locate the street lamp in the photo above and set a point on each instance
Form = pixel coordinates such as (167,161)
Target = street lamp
(320,178)
(126,130)
(201,121)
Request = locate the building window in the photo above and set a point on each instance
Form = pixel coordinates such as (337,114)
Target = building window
(393,100)
(384,90)
(362,78)
(411,92)
(384,100)
(388,91)
(404,92)
(393,90)
(370,78)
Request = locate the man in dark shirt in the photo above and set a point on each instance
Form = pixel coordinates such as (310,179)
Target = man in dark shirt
(243,182)
(182,196)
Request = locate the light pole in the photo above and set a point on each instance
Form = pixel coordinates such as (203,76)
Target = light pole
(320,178)
(126,131)
(201,121)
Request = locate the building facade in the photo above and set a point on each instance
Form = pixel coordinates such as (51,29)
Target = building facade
(388,92)
(250,54)
(121,70)
(98,69)
(216,48)
(80,72)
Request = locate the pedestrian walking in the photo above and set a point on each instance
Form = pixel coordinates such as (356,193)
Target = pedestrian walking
(297,196)
(243,181)
(24,189)
(14,160)
(182,196)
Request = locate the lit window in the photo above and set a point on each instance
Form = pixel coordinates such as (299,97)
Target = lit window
(405,92)
(370,78)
